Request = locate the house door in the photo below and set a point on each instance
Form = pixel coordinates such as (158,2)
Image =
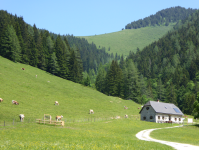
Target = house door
(169,117)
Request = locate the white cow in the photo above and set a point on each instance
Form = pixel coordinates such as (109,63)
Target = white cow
(117,117)
(1,99)
(21,116)
(56,103)
(91,111)
(58,117)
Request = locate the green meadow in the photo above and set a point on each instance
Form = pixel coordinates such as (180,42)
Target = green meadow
(186,134)
(36,97)
(103,135)
(124,41)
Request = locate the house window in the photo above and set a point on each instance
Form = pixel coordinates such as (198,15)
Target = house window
(175,119)
(162,117)
(151,117)
(179,119)
(144,118)
(158,117)
(147,108)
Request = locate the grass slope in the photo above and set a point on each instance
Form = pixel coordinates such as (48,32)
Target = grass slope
(122,42)
(36,96)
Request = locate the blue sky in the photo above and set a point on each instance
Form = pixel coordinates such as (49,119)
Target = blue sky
(87,17)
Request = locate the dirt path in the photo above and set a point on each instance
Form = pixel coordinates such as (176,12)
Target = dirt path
(145,135)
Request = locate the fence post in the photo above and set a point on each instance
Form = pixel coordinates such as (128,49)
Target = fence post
(13,121)
(4,123)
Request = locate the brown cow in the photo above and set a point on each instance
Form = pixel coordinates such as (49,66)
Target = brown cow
(15,102)
(23,68)
(58,117)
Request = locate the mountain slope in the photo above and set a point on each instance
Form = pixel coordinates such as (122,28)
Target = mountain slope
(36,96)
(122,42)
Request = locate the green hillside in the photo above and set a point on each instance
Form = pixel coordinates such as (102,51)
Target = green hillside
(36,96)
(122,42)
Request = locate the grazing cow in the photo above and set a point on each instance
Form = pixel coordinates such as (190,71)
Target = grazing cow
(23,68)
(1,99)
(138,108)
(125,107)
(125,116)
(15,102)
(117,117)
(91,111)
(58,117)
(56,103)
(21,116)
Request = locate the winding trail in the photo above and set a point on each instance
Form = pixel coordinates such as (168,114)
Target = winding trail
(145,135)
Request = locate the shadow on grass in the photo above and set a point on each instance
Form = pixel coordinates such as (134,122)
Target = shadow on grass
(196,125)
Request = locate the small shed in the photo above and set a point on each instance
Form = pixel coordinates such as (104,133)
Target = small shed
(159,112)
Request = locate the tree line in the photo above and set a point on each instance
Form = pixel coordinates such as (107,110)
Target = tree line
(163,17)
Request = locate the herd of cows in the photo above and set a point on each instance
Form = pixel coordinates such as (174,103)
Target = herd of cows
(58,118)
(21,116)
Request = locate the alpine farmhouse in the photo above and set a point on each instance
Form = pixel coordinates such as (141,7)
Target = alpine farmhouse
(160,112)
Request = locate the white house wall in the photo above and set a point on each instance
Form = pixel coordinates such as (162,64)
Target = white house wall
(165,117)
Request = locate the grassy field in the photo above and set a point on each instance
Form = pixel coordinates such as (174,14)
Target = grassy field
(186,134)
(122,42)
(104,135)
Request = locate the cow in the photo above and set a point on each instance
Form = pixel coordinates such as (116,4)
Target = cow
(58,117)
(15,102)
(56,103)
(117,117)
(125,116)
(1,99)
(125,107)
(21,116)
(23,68)
(91,111)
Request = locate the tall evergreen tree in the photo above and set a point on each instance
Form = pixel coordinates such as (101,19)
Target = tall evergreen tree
(133,82)
(10,45)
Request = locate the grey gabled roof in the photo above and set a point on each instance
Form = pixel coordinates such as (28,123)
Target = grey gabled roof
(166,108)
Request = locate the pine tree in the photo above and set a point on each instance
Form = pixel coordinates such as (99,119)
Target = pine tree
(133,82)
(160,91)
(100,79)
(53,65)
(10,45)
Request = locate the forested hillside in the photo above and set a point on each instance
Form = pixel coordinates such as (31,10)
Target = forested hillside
(167,69)
(64,56)
(163,17)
